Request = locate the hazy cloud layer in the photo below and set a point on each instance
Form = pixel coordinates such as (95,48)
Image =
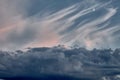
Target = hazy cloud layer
(40,23)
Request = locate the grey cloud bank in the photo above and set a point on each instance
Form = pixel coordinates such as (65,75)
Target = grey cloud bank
(75,64)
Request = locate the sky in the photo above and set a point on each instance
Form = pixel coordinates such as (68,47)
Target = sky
(45,23)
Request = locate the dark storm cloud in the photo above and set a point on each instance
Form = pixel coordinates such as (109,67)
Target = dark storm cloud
(77,63)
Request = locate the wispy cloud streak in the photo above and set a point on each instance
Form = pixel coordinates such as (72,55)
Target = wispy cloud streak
(85,35)
(64,26)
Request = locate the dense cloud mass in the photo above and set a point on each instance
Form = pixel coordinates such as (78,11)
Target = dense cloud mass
(59,62)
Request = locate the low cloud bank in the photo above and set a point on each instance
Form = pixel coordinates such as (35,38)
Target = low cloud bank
(76,62)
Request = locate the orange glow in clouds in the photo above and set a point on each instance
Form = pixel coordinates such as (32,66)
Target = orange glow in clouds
(89,44)
(45,38)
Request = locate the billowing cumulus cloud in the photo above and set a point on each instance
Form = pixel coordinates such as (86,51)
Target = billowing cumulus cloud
(47,63)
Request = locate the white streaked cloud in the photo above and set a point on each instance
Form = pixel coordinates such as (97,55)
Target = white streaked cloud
(89,34)
(62,13)
(45,29)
